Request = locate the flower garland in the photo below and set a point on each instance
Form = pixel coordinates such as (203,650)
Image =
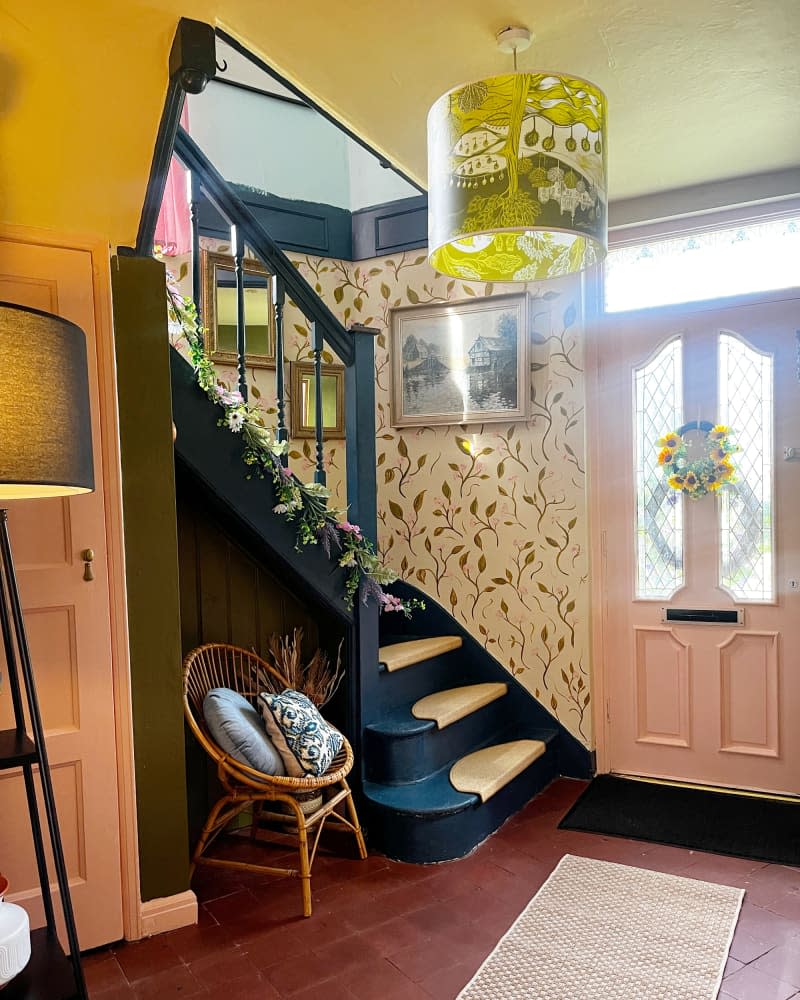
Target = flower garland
(705,475)
(305,504)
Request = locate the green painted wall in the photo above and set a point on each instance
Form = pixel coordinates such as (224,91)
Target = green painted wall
(151,556)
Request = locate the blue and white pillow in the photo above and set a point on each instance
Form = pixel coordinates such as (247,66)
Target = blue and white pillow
(306,742)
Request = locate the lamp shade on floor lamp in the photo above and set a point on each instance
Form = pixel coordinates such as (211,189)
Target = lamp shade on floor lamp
(45,420)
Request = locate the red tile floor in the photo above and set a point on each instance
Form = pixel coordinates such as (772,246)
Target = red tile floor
(392,931)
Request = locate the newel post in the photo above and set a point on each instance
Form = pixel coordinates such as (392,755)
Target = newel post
(362,500)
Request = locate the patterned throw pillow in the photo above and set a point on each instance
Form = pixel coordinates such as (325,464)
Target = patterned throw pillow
(306,742)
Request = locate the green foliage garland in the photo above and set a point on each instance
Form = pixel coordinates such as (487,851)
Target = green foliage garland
(305,504)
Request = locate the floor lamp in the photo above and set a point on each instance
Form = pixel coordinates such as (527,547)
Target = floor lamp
(45,451)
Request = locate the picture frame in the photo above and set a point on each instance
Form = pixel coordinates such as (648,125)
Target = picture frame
(462,362)
(303,400)
(218,310)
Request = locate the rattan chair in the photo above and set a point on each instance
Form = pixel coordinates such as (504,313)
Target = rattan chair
(220,665)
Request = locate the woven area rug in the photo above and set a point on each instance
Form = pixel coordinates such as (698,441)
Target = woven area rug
(602,931)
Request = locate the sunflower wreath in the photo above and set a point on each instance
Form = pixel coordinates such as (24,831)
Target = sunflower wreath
(705,475)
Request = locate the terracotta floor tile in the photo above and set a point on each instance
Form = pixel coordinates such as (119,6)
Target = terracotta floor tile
(296,974)
(449,982)
(782,962)
(141,959)
(731,966)
(103,972)
(745,948)
(395,934)
(750,984)
(379,978)
(177,982)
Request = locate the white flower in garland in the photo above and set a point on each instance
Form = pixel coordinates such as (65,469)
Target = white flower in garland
(235,420)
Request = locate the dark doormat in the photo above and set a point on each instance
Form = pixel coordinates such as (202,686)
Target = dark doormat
(740,825)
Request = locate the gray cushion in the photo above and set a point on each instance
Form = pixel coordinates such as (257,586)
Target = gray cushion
(238,729)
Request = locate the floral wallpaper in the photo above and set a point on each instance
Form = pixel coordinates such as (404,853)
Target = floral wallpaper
(488,519)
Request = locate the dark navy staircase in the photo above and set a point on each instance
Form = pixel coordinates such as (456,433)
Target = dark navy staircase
(448,744)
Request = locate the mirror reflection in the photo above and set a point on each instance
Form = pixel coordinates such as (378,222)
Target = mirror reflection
(304,400)
(219,307)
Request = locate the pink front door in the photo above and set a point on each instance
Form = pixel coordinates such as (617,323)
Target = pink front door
(692,700)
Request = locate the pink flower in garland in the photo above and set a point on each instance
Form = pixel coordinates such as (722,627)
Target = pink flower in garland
(228,397)
(391,603)
(350,529)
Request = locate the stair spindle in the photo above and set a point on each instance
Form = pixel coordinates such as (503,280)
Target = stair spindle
(278,302)
(241,334)
(193,192)
(319,427)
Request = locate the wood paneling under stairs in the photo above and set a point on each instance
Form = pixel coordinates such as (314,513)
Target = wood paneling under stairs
(229,594)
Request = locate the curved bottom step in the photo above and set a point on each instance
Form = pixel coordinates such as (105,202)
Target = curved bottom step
(430,821)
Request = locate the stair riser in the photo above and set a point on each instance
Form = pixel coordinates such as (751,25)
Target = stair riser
(408,685)
(425,839)
(396,760)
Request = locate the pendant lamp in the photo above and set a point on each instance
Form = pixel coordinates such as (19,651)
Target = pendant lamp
(517,175)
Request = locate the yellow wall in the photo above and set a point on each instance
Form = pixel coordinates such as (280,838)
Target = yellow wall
(82,87)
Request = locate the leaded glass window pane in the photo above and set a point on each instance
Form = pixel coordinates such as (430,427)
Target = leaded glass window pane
(746,542)
(659,509)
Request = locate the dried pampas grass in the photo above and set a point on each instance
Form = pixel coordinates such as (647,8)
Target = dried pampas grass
(318,680)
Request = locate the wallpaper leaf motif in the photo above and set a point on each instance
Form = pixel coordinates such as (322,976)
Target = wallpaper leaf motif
(490,523)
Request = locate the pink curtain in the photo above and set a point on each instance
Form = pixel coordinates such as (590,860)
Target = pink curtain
(173,229)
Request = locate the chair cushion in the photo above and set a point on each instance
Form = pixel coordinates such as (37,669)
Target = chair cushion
(238,729)
(305,741)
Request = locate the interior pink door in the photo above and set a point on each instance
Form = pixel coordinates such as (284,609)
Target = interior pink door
(701,702)
(68,624)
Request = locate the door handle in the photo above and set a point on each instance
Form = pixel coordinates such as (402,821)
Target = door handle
(88,557)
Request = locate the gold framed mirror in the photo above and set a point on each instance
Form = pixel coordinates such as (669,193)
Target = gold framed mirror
(218,306)
(304,400)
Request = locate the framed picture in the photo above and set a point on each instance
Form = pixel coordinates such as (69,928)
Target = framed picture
(219,310)
(304,400)
(460,362)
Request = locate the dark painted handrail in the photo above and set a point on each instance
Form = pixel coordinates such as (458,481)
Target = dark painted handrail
(192,63)
(222,196)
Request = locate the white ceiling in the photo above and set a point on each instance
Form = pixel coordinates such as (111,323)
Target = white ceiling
(698,90)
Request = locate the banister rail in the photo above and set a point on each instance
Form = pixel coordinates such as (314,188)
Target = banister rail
(221,195)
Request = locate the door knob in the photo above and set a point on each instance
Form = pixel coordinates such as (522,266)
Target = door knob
(88,557)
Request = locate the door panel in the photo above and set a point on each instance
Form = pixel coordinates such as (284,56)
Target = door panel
(68,623)
(701,702)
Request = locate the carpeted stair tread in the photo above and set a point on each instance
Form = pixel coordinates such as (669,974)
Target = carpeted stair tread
(433,796)
(405,654)
(448,706)
(486,771)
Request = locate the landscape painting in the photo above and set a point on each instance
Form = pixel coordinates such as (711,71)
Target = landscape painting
(460,362)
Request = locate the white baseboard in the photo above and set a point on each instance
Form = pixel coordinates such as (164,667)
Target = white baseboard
(168,913)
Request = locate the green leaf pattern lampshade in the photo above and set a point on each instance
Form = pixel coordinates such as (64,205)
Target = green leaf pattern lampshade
(45,423)
(517,178)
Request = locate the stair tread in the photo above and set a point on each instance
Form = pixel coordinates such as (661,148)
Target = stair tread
(405,654)
(451,704)
(486,771)
(433,795)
